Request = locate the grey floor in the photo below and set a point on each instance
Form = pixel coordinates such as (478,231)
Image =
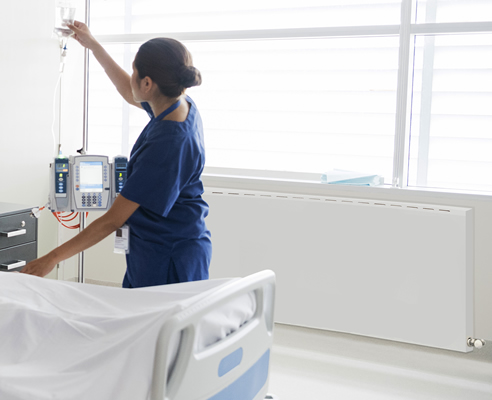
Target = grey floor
(314,364)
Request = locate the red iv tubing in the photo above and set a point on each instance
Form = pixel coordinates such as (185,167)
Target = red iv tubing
(64,217)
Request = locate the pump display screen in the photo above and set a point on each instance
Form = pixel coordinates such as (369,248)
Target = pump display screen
(59,167)
(91,176)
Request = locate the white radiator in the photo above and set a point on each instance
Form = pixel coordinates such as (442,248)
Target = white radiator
(390,270)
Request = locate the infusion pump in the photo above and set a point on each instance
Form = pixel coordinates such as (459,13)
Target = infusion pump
(86,182)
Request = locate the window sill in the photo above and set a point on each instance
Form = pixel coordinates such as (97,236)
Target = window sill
(279,184)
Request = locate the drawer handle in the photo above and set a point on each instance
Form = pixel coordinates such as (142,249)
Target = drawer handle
(13,264)
(17,232)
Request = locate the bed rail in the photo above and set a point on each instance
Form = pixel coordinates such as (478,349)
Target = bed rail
(236,367)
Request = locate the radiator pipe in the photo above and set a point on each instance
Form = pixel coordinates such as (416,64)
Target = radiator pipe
(475,343)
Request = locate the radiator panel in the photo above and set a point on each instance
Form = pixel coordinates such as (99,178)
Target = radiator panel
(390,270)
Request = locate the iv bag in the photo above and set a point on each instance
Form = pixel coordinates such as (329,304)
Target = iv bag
(64,15)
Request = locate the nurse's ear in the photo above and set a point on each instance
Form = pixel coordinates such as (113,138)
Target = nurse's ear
(147,85)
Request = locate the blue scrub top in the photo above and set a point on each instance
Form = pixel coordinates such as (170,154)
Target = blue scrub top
(169,241)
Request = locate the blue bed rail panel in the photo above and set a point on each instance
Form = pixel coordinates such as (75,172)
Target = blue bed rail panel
(230,362)
(250,383)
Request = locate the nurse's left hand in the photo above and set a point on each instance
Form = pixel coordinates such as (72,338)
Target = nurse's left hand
(40,267)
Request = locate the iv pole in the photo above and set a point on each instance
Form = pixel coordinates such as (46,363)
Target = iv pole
(83,221)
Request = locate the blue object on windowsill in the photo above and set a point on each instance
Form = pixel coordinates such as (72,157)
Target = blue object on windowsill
(340,177)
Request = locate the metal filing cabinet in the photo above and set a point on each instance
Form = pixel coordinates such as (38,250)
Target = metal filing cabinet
(18,237)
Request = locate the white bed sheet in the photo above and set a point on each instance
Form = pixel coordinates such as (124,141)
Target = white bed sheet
(63,340)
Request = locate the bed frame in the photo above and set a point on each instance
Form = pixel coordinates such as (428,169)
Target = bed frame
(236,367)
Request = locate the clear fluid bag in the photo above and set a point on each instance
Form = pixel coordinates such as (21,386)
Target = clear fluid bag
(64,15)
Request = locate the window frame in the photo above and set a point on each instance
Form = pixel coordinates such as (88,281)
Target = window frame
(406,30)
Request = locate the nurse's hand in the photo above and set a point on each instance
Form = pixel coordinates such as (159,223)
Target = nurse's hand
(40,267)
(82,34)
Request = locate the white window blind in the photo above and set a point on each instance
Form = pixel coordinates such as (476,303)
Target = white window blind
(451,132)
(453,11)
(299,105)
(155,16)
(307,86)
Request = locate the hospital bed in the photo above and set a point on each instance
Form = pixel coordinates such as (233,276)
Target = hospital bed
(192,341)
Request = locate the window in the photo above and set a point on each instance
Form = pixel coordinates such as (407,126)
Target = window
(431,11)
(396,88)
(451,130)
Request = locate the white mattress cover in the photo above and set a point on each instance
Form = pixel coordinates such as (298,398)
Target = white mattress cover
(63,340)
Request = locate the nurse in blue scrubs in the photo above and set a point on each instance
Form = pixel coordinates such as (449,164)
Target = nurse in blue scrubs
(161,201)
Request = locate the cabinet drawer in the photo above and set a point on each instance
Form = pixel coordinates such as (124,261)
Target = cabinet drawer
(17,255)
(17,229)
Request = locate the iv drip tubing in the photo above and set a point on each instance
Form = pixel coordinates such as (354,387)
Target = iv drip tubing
(59,115)
(62,219)
(54,116)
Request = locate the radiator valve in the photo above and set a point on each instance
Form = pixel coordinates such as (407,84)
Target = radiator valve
(476,343)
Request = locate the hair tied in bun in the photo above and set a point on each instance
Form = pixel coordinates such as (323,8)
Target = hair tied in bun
(189,76)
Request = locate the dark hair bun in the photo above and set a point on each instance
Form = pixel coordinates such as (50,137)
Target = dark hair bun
(189,76)
(169,64)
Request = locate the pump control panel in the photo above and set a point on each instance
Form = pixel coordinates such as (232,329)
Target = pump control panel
(91,183)
(61,175)
(86,182)
(119,174)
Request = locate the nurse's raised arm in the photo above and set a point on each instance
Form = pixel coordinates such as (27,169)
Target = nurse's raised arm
(119,77)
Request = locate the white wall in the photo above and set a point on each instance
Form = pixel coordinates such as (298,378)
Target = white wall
(29,71)
(28,74)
